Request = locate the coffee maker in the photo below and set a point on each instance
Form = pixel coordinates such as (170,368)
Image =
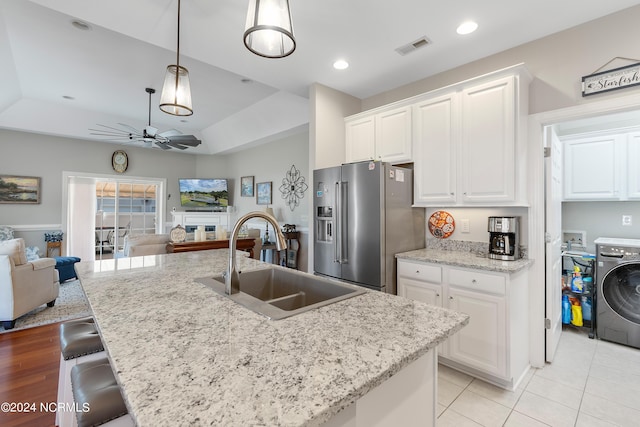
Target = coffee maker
(504,241)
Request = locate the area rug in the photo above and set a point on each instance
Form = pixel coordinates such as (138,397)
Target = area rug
(71,304)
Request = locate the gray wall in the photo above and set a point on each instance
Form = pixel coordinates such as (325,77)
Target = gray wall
(601,219)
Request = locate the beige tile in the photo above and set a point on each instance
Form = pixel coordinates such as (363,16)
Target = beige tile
(453,376)
(563,394)
(616,372)
(480,409)
(628,357)
(572,375)
(586,420)
(546,410)
(612,391)
(453,419)
(499,395)
(527,378)
(447,392)
(441,409)
(610,411)
(516,419)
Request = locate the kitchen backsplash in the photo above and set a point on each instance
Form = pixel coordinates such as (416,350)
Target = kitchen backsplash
(478,248)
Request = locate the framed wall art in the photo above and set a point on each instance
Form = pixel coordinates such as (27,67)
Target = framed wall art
(246,186)
(19,189)
(263,193)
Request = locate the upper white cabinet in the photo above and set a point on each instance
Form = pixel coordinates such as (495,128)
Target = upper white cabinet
(469,142)
(602,167)
(382,135)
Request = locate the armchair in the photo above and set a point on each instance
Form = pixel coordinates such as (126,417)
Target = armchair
(24,285)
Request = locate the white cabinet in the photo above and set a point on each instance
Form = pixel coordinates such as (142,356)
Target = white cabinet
(633,166)
(469,143)
(602,167)
(494,345)
(592,168)
(381,135)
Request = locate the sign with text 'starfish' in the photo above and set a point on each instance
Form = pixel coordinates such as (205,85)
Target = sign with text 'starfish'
(617,78)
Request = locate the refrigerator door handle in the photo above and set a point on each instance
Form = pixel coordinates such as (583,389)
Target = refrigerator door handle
(337,243)
(344,222)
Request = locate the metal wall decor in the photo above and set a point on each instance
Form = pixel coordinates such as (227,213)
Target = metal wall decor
(293,187)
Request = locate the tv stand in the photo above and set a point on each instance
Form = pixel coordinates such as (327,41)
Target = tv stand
(188,218)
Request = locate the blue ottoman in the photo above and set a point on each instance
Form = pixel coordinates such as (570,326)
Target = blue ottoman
(65,267)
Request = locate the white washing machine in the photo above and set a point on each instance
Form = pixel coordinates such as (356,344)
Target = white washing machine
(618,290)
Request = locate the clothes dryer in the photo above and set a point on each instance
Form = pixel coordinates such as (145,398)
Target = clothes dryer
(618,290)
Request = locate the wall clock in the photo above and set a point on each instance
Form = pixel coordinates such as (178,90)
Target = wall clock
(119,161)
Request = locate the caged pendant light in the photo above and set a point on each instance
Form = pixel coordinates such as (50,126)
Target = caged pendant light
(269,31)
(176,90)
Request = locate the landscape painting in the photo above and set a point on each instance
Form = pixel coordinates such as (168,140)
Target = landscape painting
(19,189)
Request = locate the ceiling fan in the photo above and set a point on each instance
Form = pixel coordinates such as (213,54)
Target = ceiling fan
(166,140)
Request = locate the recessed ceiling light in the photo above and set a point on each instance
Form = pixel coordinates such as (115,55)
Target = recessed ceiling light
(341,64)
(467,28)
(81,25)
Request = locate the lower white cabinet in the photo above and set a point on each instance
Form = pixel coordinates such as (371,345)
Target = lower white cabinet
(494,345)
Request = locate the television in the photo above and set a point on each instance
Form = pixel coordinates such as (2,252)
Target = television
(207,193)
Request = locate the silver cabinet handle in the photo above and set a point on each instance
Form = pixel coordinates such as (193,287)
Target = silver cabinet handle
(473,281)
(437,295)
(417,271)
(450,297)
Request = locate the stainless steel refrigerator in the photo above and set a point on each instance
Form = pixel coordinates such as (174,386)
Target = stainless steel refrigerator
(363,217)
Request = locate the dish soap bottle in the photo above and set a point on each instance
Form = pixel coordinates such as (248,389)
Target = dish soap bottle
(566,310)
(576,283)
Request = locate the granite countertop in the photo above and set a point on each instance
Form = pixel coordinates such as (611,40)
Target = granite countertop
(186,356)
(465,259)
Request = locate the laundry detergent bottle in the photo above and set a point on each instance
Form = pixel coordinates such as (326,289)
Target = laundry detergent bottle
(577,284)
(566,310)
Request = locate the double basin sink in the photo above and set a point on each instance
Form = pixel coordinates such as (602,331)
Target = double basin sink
(278,293)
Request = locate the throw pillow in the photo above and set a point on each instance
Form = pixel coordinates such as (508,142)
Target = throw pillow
(6,233)
(15,249)
(32,252)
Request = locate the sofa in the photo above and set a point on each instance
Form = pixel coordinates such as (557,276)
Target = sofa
(145,244)
(24,285)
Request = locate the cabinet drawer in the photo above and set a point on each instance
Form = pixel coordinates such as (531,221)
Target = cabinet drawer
(478,281)
(418,271)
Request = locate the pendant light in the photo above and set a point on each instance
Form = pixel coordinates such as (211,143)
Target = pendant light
(269,32)
(176,90)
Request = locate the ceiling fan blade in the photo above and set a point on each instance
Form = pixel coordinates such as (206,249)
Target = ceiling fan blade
(170,133)
(178,146)
(131,128)
(189,140)
(163,146)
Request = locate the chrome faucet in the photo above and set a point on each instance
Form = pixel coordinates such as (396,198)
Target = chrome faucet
(231,277)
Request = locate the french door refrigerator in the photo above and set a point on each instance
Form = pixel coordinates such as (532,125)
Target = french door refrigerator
(363,217)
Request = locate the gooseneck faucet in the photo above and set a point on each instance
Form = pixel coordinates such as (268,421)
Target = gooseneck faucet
(231,277)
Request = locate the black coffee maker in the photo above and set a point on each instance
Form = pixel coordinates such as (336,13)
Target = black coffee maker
(504,241)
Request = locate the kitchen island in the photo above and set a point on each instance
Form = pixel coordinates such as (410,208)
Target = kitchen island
(184,355)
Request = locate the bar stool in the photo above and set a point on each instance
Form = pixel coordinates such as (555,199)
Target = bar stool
(79,342)
(97,396)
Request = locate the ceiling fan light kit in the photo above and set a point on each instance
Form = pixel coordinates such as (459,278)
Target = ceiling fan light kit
(269,31)
(176,90)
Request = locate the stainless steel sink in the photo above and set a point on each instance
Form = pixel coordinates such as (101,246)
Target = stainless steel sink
(278,293)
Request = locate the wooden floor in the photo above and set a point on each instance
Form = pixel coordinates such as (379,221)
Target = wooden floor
(29,363)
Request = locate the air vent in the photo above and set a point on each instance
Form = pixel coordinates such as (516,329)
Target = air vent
(413,46)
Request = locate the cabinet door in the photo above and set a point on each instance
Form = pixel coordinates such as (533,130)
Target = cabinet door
(393,135)
(488,142)
(591,168)
(360,139)
(633,166)
(435,150)
(420,291)
(482,343)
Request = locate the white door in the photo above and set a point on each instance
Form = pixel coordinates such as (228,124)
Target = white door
(553,238)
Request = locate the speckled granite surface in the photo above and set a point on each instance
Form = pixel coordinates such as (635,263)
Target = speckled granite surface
(465,259)
(186,356)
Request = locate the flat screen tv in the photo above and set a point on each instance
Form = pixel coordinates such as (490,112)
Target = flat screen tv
(205,193)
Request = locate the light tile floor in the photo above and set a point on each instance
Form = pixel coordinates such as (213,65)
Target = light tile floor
(590,383)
